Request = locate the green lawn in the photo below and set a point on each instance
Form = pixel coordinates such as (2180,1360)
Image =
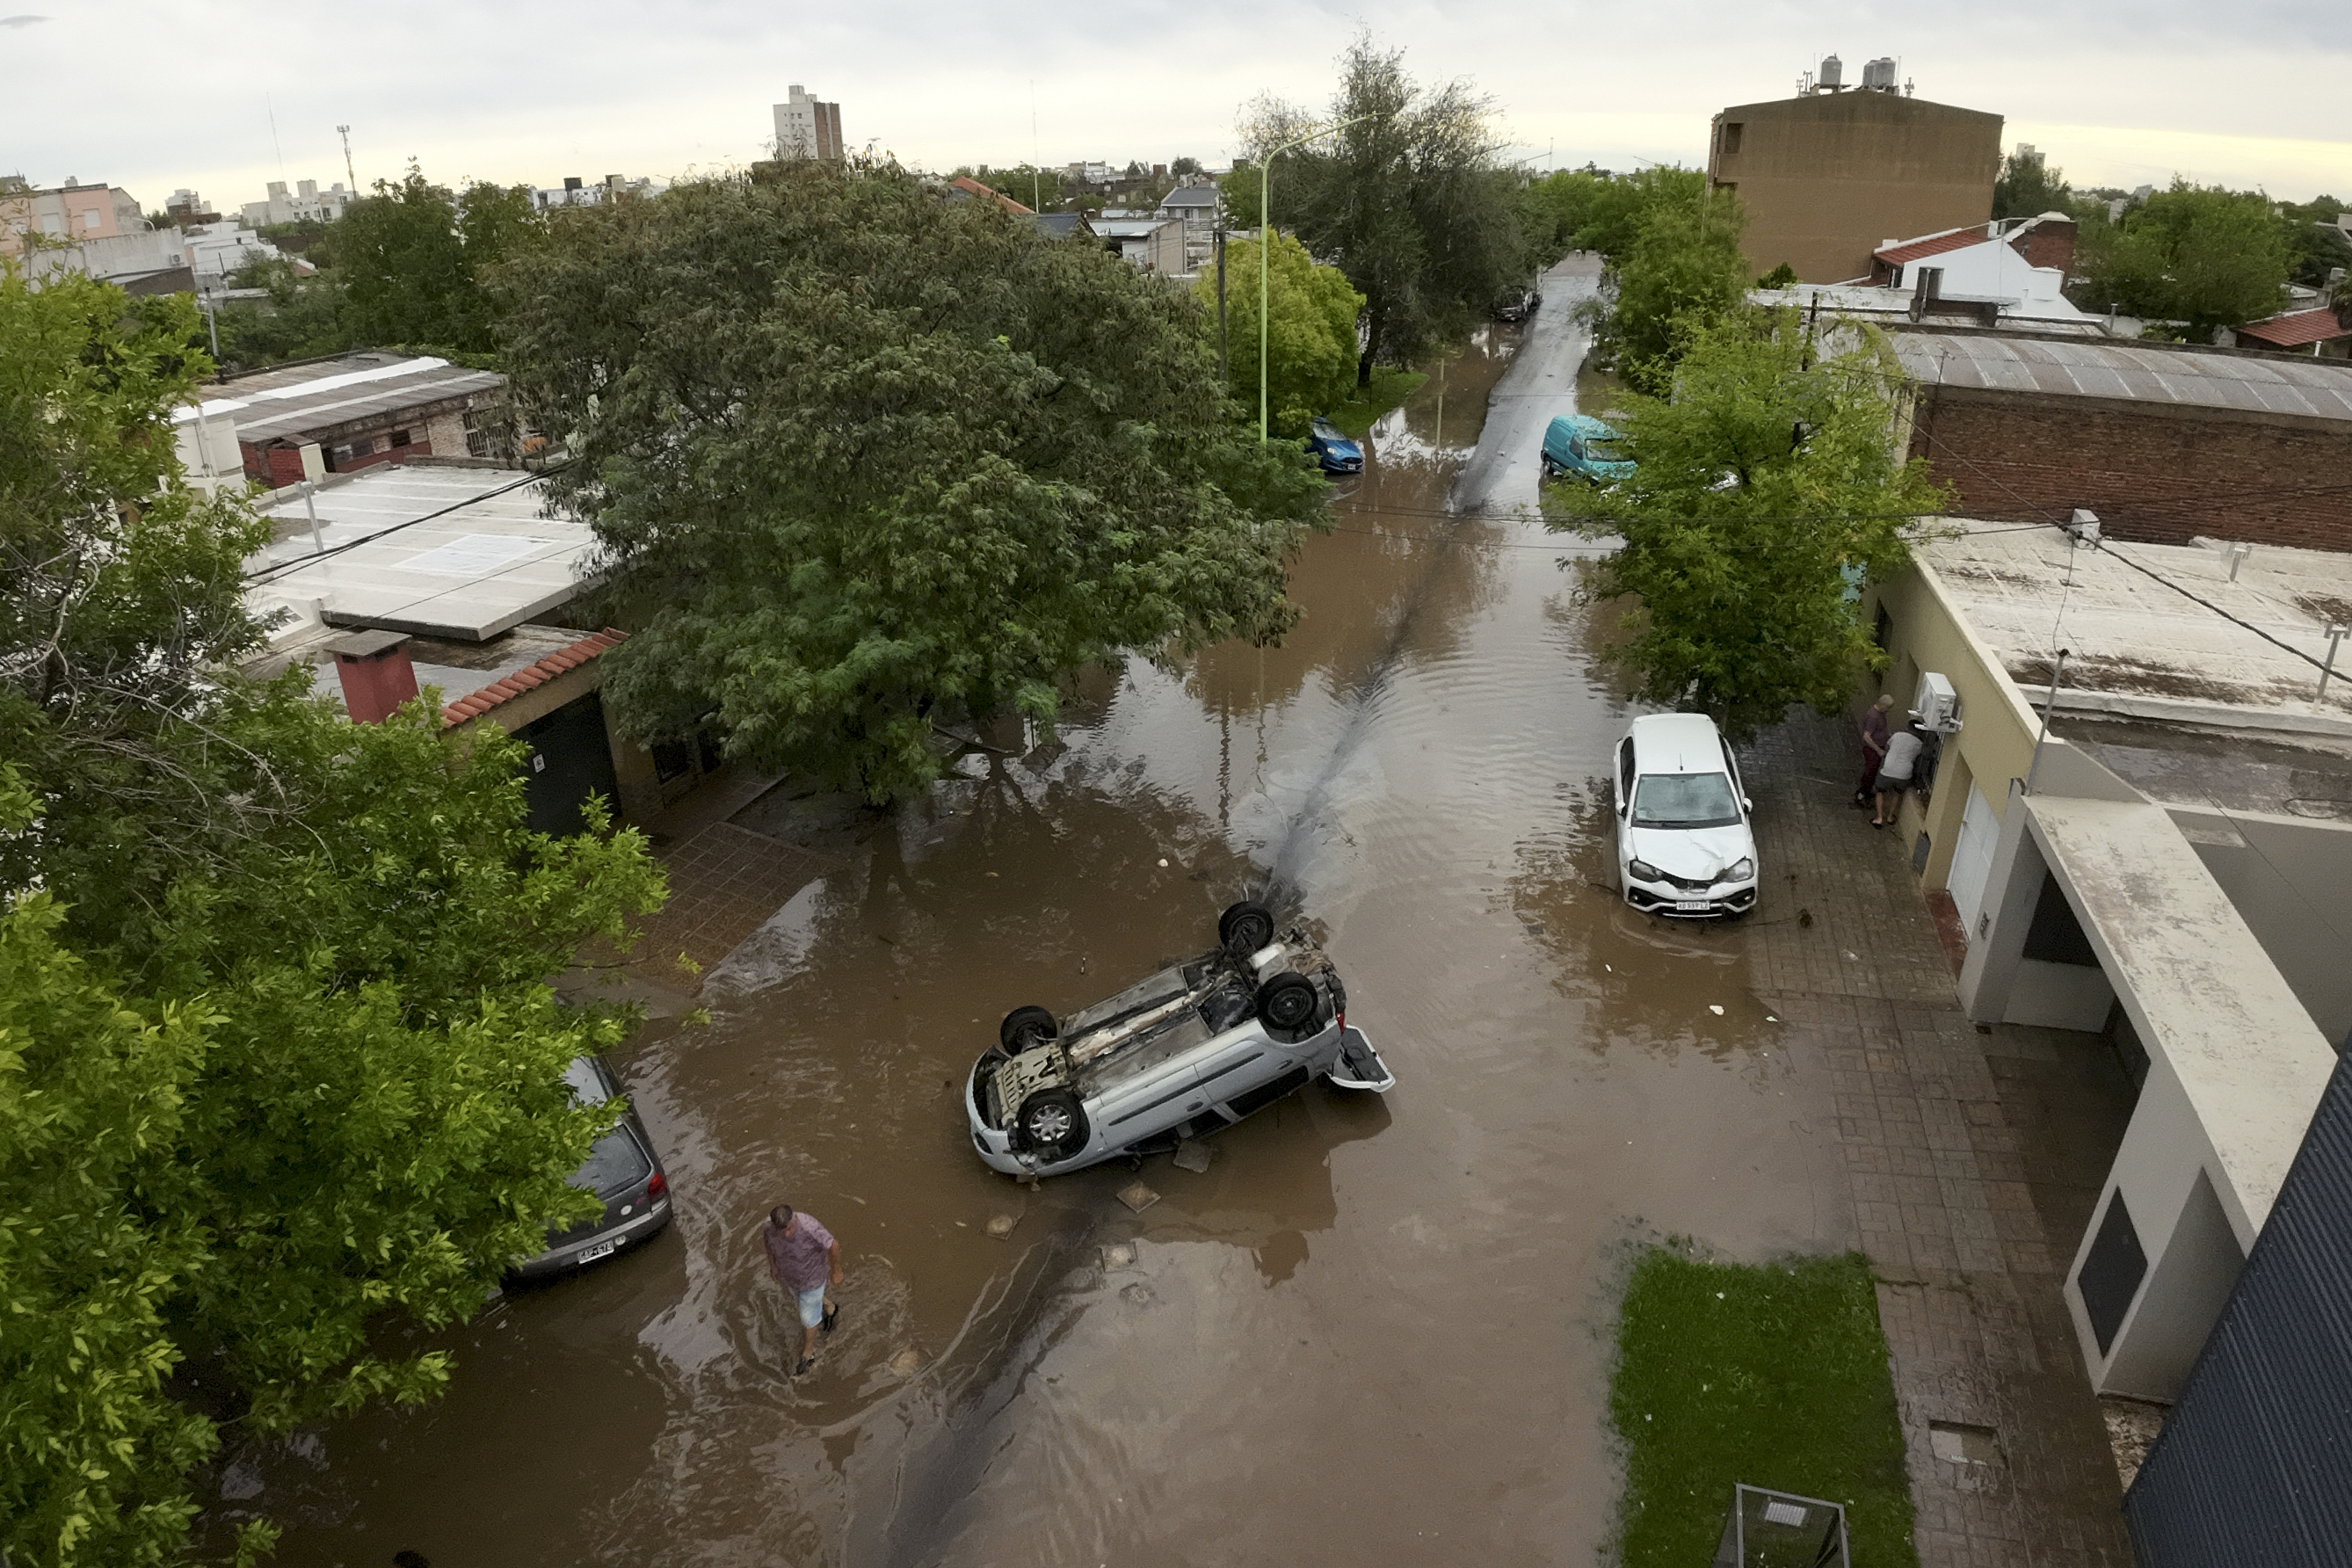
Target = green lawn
(1775,1375)
(1389,388)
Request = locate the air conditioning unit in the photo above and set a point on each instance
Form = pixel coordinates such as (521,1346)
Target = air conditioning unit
(1937,707)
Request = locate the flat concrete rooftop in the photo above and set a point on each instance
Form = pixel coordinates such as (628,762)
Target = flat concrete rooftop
(454,552)
(2157,632)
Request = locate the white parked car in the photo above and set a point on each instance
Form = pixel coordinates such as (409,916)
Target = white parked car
(1684,846)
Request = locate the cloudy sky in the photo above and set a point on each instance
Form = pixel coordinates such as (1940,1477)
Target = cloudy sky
(224,95)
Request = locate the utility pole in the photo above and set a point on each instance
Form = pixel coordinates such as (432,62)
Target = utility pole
(345,132)
(1219,235)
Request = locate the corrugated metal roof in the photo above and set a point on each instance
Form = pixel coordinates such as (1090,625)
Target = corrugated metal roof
(2297,328)
(2320,389)
(298,415)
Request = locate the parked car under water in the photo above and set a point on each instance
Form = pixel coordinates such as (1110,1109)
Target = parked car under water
(622,1169)
(1684,846)
(1335,451)
(1180,1054)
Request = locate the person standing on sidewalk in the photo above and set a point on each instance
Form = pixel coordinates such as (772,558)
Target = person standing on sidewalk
(806,1261)
(1894,773)
(1873,749)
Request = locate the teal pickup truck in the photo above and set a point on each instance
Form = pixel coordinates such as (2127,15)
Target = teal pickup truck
(1578,444)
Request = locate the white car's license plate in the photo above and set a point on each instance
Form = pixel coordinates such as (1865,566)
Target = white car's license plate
(601,1249)
(1693,904)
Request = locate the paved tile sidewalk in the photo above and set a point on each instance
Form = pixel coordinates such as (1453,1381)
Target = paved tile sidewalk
(1947,1207)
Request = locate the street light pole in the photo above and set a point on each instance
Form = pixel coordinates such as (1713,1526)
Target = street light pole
(1264,249)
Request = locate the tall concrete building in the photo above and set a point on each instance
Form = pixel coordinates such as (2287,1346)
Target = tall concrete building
(1835,173)
(807,128)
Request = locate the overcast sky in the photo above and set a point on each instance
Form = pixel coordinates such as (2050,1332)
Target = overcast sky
(224,95)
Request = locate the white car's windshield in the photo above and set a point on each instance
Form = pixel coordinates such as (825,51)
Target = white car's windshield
(1685,800)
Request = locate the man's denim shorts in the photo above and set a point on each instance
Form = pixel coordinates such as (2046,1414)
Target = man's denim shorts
(812,1306)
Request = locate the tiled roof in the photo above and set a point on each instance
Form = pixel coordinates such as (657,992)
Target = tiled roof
(1933,245)
(531,675)
(2297,328)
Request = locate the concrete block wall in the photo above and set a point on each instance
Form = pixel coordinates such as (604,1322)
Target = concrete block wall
(2152,473)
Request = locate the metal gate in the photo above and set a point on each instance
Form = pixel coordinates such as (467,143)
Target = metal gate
(2255,1463)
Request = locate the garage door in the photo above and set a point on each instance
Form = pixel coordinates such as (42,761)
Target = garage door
(1972,859)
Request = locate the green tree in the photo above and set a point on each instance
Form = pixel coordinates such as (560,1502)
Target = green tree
(281,979)
(413,256)
(1759,485)
(870,462)
(1039,190)
(2196,254)
(1311,346)
(2028,186)
(1591,209)
(2316,245)
(1683,268)
(303,316)
(1407,198)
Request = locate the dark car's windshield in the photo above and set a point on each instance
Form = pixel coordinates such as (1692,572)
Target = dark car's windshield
(1685,800)
(615,1163)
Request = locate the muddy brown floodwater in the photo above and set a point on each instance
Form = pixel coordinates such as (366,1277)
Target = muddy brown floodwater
(1372,1327)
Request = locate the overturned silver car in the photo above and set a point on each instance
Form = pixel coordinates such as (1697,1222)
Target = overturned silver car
(1193,1048)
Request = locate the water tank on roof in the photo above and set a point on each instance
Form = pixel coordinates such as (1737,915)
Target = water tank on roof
(1879,74)
(1833,72)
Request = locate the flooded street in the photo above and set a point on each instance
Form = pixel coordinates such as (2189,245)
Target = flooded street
(1373,1325)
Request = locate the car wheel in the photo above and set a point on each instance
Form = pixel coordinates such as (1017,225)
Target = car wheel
(1051,1122)
(1244,928)
(1287,1002)
(1026,1027)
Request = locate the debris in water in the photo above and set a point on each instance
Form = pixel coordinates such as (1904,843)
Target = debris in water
(1136,1197)
(1163,861)
(1001,1226)
(1191,1155)
(1136,1295)
(1118,1255)
(1714,1009)
(904,1363)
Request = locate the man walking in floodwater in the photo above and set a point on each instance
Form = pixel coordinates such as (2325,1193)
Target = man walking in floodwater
(806,1261)
(1873,751)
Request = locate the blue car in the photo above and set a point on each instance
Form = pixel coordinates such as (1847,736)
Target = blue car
(1578,444)
(1332,449)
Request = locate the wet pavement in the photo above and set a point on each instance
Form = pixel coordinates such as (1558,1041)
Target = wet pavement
(1372,1325)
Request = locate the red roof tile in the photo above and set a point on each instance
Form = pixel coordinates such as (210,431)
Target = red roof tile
(563,658)
(2297,328)
(1933,245)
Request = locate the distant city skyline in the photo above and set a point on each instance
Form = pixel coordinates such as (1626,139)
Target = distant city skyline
(2253,98)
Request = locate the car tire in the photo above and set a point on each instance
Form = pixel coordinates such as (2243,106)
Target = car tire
(1025,1027)
(1288,1003)
(1244,928)
(1052,1123)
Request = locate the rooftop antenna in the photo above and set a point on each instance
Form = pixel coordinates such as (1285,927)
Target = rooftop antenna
(345,132)
(272,110)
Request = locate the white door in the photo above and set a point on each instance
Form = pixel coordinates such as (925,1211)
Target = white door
(1972,859)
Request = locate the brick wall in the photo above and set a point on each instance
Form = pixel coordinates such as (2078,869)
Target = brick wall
(2050,244)
(2154,473)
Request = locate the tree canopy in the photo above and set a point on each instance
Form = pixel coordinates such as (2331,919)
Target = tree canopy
(2028,186)
(280,1071)
(1311,344)
(1406,197)
(2196,254)
(868,462)
(1760,485)
(1683,268)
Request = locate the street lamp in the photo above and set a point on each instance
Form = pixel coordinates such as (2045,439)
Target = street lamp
(1264,249)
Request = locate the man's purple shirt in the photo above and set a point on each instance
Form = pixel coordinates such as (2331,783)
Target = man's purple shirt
(797,1256)
(1873,734)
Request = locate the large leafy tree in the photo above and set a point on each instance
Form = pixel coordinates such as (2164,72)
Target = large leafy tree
(279,1068)
(2028,186)
(1683,268)
(2196,254)
(867,462)
(1407,197)
(412,258)
(1763,487)
(1591,209)
(1310,341)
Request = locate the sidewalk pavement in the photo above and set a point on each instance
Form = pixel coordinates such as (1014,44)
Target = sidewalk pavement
(1970,1234)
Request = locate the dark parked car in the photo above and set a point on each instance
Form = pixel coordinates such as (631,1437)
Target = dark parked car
(622,1169)
(1517,305)
(1333,449)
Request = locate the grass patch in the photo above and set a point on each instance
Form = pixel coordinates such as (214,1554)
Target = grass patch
(1389,388)
(1775,1375)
